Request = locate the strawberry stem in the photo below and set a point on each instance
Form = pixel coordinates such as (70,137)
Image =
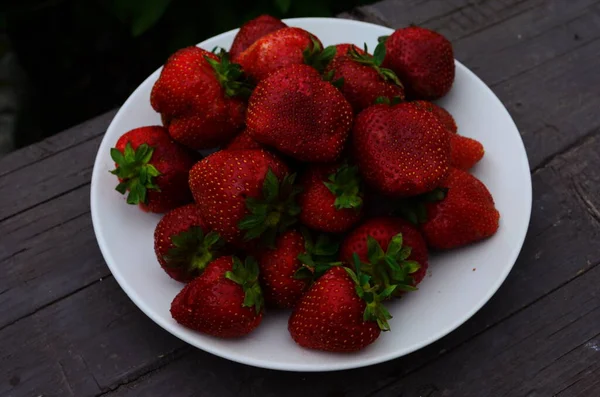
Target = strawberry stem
(345,183)
(246,275)
(230,75)
(135,172)
(193,251)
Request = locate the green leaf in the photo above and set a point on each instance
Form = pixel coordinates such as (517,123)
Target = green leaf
(117,156)
(212,238)
(382,39)
(395,245)
(382,100)
(379,54)
(411,266)
(283,5)
(270,187)
(374,251)
(129,153)
(404,253)
(306,258)
(121,187)
(325,246)
(303,273)
(251,221)
(143,175)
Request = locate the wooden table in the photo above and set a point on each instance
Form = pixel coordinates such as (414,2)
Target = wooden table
(67,328)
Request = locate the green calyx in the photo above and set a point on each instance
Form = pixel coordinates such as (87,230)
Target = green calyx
(387,101)
(414,209)
(320,256)
(230,75)
(345,183)
(246,275)
(193,250)
(317,57)
(375,61)
(135,172)
(372,294)
(274,212)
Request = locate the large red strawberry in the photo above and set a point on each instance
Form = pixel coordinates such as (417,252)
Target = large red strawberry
(331,199)
(284,47)
(361,77)
(245,194)
(423,60)
(153,169)
(341,312)
(243,141)
(301,115)
(401,150)
(342,50)
(252,31)
(225,301)
(288,269)
(392,251)
(201,97)
(465,152)
(467,214)
(442,114)
(184,244)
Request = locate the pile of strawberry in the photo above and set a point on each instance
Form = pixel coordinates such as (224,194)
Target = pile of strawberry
(334,176)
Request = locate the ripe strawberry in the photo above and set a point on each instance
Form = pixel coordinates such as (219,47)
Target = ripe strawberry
(301,115)
(331,199)
(341,50)
(284,47)
(363,79)
(288,269)
(252,31)
(391,250)
(225,301)
(341,312)
(243,141)
(423,60)
(467,213)
(200,96)
(464,152)
(153,169)
(244,194)
(442,114)
(184,244)
(401,150)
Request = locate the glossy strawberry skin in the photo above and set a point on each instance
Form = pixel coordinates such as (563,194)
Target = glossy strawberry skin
(382,230)
(465,152)
(423,60)
(442,114)
(277,269)
(172,160)
(222,181)
(275,51)
(401,151)
(317,202)
(252,31)
(329,316)
(212,304)
(243,141)
(192,102)
(298,113)
(467,214)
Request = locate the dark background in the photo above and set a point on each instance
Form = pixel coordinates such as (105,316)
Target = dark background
(65,61)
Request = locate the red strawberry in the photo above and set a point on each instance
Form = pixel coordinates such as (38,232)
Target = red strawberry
(362,79)
(334,314)
(200,97)
(331,199)
(287,270)
(392,250)
(225,301)
(341,50)
(464,152)
(442,114)
(284,47)
(301,115)
(252,31)
(467,213)
(423,60)
(243,141)
(153,168)
(183,243)
(401,150)
(244,194)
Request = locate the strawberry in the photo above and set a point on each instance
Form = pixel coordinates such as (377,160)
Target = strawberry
(284,47)
(153,169)
(465,152)
(331,199)
(245,194)
(341,312)
(243,141)
(362,79)
(391,250)
(400,150)
(225,301)
(183,243)
(301,115)
(442,114)
(422,59)
(341,50)
(287,270)
(467,214)
(200,96)
(252,31)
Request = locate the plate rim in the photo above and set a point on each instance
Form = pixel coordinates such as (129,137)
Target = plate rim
(339,365)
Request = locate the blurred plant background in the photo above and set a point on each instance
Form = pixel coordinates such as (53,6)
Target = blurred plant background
(65,61)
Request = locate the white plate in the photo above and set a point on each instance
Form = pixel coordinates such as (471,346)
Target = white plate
(449,296)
